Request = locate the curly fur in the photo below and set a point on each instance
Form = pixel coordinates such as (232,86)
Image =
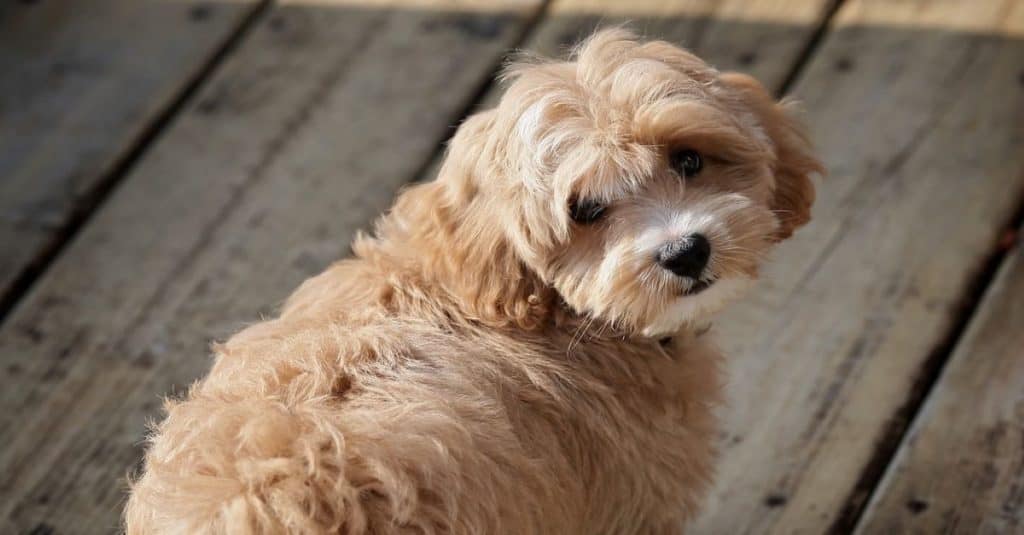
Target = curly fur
(484,364)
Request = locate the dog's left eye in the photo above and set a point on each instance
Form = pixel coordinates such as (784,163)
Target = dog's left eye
(686,162)
(585,211)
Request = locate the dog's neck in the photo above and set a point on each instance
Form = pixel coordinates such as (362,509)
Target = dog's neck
(585,328)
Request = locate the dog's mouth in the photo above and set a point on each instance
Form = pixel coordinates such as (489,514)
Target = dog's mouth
(697,287)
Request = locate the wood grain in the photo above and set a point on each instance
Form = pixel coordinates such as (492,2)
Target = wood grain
(921,129)
(961,467)
(310,127)
(80,83)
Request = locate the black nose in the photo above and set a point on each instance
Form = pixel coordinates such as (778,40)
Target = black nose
(686,257)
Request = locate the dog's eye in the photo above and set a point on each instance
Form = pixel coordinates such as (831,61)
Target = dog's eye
(686,162)
(585,211)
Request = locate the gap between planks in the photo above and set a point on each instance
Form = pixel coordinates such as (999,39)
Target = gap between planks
(429,165)
(931,371)
(808,490)
(813,43)
(97,195)
(928,379)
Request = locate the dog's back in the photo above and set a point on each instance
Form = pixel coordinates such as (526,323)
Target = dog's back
(339,416)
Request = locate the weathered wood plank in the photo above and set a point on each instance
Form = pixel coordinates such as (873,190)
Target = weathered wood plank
(918,110)
(302,139)
(314,122)
(80,83)
(761,37)
(961,467)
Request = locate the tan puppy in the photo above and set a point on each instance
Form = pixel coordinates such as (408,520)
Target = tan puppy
(516,350)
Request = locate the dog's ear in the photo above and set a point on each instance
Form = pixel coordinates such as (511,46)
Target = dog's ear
(795,161)
(454,226)
(468,152)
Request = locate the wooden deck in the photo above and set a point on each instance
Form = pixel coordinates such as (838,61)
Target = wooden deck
(170,169)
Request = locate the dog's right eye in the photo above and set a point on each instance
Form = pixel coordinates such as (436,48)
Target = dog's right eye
(585,211)
(686,162)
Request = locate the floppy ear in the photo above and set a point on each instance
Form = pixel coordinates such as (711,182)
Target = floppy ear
(466,156)
(459,241)
(794,160)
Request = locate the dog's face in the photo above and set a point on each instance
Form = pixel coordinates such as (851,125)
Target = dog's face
(642,185)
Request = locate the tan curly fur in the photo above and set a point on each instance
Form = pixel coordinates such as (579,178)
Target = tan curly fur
(485,364)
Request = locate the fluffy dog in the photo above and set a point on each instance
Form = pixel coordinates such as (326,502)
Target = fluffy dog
(518,347)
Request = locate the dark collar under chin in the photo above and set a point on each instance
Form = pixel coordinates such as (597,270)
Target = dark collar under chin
(695,332)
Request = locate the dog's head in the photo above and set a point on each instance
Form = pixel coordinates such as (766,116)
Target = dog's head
(637,182)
